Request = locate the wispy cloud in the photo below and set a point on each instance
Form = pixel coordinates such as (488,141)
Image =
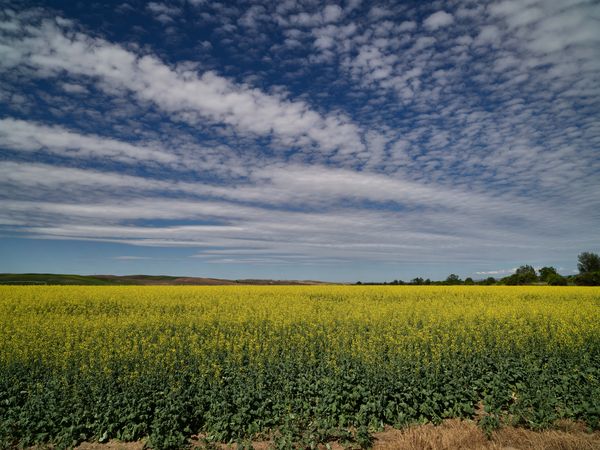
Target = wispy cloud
(498,272)
(33,137)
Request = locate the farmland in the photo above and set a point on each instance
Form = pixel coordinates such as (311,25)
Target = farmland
(301,364)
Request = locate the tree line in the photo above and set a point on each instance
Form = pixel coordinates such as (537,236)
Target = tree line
(588,264)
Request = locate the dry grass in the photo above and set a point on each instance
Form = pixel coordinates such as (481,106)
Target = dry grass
(456,434)
(450,435)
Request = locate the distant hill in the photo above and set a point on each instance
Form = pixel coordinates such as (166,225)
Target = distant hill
(138,280)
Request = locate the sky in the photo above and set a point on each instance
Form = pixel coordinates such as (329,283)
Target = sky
(338,141)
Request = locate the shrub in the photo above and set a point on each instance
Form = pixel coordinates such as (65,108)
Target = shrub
(588,279)
(556,280)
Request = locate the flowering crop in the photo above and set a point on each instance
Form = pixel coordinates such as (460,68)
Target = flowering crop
(95,363)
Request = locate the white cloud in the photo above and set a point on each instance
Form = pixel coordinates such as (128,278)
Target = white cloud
(278,186)
(498,272)
(437,20)
(180,92)
(253,16)
(408,25)
(74,88)
(162,8)
(508,7)
(338,217)
(332,13)
(378,12)
(329,14)
(489,34)
(32,137)
(162,12)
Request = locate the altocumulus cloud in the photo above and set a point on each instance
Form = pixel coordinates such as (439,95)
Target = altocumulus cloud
(265,135)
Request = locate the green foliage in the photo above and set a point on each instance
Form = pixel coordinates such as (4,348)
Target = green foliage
(453,279)
(556,280)
(588,262)
(469,281)
(512,280)
(546,273)
(526,274)
(588,279)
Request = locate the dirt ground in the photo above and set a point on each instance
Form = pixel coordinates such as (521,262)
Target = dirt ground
(450,435)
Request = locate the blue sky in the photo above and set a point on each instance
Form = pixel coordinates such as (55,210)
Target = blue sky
(337,141)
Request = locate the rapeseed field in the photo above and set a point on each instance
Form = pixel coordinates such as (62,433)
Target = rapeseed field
(297,364)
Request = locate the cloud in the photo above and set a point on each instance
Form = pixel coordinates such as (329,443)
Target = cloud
(254,16)
(192,97)
(285,214)
(489,34)
(277,186)
(379,12)
(341,134)
(33,137)
(437,20)
(329,14)
(408,25)
(332,13)
(162,12)
(498,272)
(74,88)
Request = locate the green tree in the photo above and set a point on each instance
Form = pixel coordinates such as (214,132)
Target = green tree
(526,274)
(469,281)
(547,272)
(588,262)
(588,279)
(556,280)
(512,280)
(453,279)
(417,281)
(489,281)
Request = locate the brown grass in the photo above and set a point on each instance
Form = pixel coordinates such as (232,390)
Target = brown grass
(450,435)
(456,434)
